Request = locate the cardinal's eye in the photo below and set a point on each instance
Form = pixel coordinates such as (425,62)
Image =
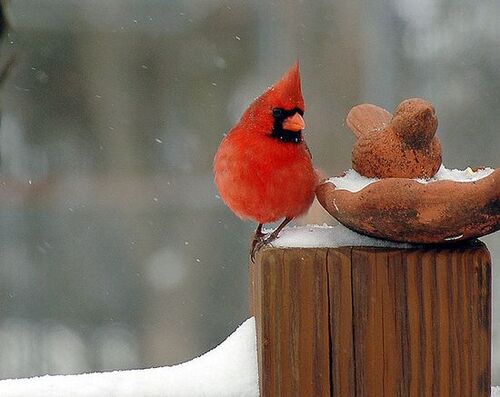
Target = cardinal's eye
(278,113)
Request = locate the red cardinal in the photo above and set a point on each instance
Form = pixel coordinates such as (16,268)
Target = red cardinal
(263,168)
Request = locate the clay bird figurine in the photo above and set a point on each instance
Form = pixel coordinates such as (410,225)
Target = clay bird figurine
(263,168)
(399,146)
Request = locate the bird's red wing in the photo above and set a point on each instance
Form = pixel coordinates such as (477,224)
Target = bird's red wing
(366,118)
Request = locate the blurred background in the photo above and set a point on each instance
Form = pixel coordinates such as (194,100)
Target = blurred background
(115,250)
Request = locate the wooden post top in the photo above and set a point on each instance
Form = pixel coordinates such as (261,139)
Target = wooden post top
(373,321)
(380,246)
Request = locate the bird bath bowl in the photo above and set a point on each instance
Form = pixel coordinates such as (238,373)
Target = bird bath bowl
(416,211)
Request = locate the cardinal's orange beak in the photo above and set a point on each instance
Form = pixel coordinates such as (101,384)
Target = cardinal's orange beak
(294,123)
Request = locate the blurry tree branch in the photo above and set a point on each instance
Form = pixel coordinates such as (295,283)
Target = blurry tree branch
(7,61)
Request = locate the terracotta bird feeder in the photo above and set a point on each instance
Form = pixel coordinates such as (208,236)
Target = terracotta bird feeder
(399,190)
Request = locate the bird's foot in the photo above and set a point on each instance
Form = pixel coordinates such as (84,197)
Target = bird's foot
(260,241)
(258,237)
(256,246)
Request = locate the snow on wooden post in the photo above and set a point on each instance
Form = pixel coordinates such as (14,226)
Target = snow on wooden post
(359,321)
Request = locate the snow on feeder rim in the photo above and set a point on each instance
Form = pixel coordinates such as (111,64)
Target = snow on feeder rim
(451,206)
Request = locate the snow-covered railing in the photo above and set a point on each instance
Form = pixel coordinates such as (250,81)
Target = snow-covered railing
(229,370)
(340,290)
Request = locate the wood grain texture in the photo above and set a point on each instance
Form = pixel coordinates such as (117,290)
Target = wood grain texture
(341,321)
(292,311)
(373,322)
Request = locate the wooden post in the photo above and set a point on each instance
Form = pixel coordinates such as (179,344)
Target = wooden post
(365,322)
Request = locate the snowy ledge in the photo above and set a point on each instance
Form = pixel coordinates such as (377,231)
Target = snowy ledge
(229,370)
(354,182)
(322,236)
